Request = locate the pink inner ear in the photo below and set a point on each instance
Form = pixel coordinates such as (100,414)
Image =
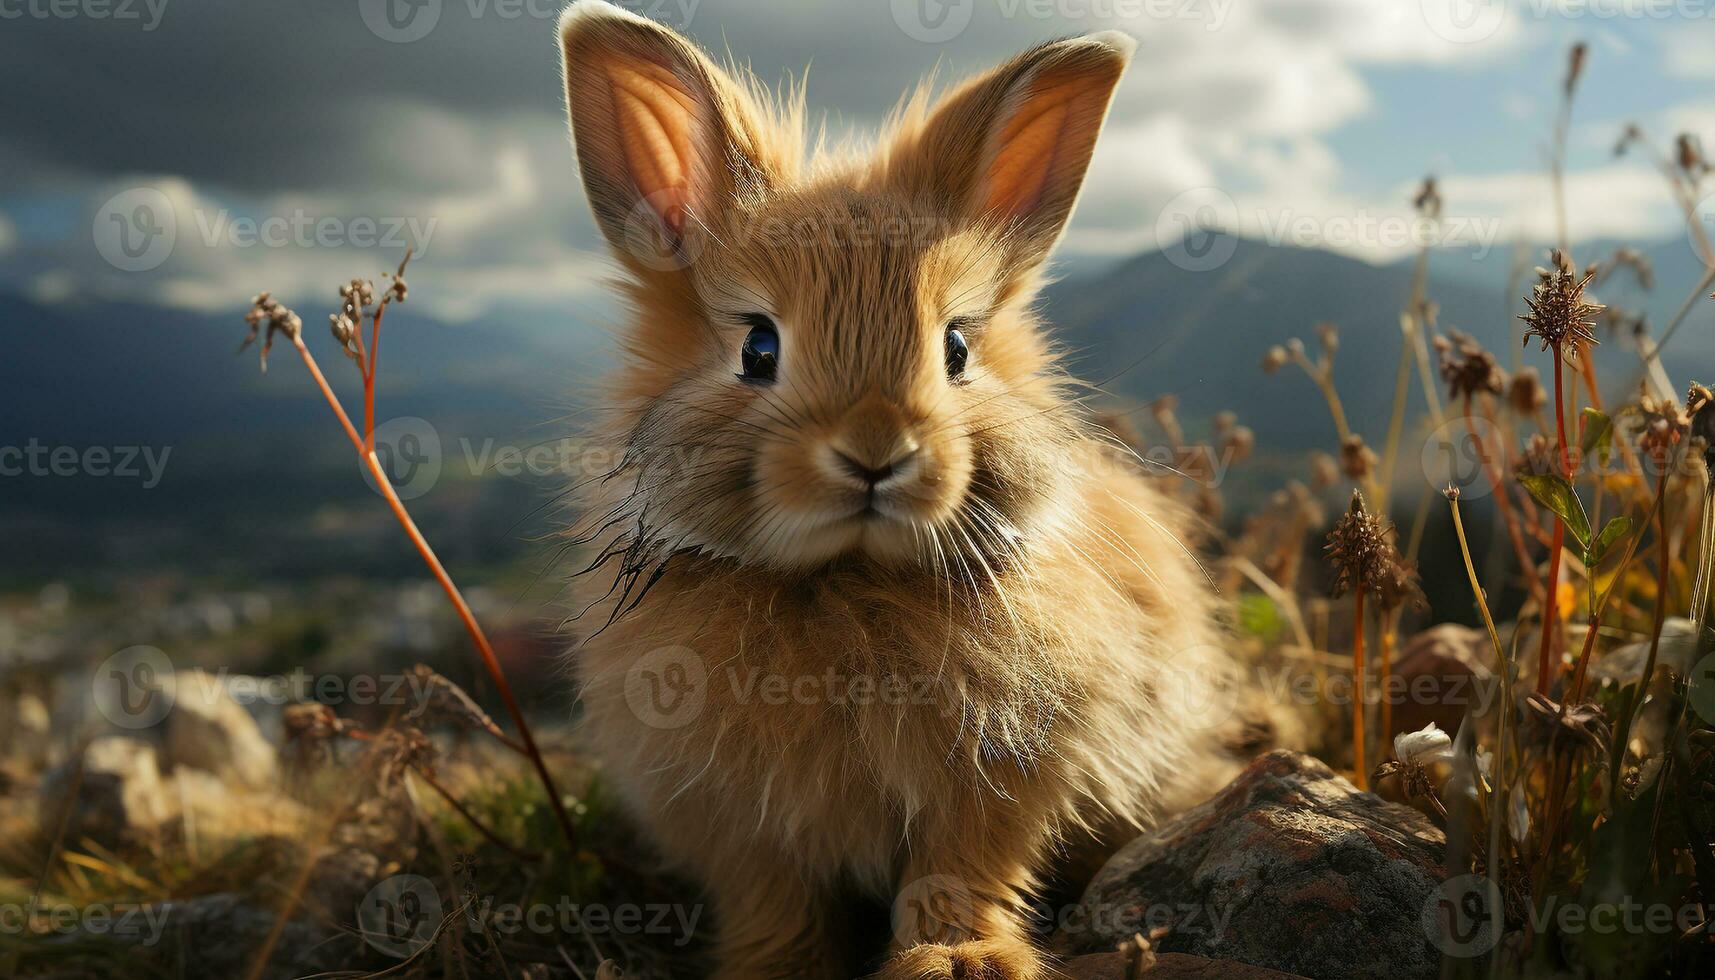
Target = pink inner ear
(1031,146)
(654,120)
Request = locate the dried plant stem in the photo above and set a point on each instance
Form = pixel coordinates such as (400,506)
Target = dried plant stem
(1705,557)
(1629,706)
(490,661)
(1551,600)
(1384,671)
(1358,686)
(1503,500)
(463,811)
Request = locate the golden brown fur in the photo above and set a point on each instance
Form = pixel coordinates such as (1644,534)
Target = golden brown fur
(923,700)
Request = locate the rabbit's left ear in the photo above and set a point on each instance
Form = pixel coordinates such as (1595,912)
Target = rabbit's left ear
(1012,146)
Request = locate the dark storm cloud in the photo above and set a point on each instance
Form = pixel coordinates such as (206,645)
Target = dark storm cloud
(300,95)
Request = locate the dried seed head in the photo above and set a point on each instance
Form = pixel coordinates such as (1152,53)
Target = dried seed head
(1559,315)
(1688,153)
(1468,369)
(1428,199)
(1275,359)
(1700,406)
(1328,335)
(1399,584)
(1356,458)
(1661,424)
(267,312)
(1631,134)
(1526,394)
(1357,547)
(1239,443)
(1324,472)
(1574,67)
(1224,421)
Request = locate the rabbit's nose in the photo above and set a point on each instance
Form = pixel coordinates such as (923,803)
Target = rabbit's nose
(875,442)
(871,474)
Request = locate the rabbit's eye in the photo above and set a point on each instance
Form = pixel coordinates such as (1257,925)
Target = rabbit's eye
(760,355)
(957,352)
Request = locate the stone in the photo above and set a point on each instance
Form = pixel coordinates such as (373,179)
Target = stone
(1289,868)
(207,729)
(1437,677)
(118,794)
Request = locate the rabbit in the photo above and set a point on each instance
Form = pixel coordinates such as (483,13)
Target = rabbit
(875,609)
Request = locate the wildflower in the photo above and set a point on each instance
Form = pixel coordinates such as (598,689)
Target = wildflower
(1468,369)
(278,318)
(1559,314)
(1525,393)
(1358,549)
(1661,426)
(1356,458)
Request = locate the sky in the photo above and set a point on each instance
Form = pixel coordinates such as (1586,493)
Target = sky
(191,152)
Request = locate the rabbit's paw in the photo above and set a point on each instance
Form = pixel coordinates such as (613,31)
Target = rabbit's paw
(983,959)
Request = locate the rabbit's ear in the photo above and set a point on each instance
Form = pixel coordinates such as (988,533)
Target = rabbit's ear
(665,139)
(1012,145)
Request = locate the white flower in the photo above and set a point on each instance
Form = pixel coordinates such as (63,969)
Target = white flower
(1427,747)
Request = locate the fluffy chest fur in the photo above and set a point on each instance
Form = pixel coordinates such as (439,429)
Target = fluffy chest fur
(842,714)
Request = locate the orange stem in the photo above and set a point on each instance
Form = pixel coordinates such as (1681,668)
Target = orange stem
(1551,602)
(489,660)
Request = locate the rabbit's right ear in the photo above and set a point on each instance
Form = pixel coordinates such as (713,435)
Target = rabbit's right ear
(665,140)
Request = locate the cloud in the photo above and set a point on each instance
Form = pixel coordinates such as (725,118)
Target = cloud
(1686,54)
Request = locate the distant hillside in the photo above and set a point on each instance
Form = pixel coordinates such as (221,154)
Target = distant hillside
(1202,335)
(260,484)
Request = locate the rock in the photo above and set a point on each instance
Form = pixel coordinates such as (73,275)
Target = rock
(29,732)
(218,936)
(208,730)
(1289,868)
(1438,677)
(1168,966)
(118,794)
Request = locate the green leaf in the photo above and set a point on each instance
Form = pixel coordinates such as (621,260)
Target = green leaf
(1556,494)
(1613,531)
(1598,435)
